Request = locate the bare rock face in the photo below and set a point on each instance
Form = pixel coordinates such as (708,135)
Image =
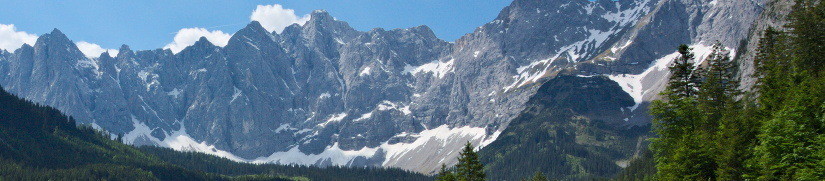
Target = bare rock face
(326,94)
(775,15)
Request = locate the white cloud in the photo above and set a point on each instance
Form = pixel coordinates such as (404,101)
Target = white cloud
(92,50)
(188,36)
(276,18)
(11,39)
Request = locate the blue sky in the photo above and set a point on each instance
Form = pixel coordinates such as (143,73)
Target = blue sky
(154,24)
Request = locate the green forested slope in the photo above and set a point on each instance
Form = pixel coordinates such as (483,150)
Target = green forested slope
(566,132)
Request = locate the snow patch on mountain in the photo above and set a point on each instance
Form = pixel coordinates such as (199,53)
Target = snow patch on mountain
(324,95)
(334,118)
(365,71)
(387,105)
(179,140)
(363,117)
(634,84)
(529,73)
(441,137)
(627,16)
(141,131)
(283,127)
(236,93)
(174,93)
(333,154)
(438,139)
(437,68)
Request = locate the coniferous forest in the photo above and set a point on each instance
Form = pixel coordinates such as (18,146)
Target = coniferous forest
(708,129)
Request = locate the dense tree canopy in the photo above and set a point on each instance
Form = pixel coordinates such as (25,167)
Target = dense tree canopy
(776,132)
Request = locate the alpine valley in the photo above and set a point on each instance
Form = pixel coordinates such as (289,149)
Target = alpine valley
(567,79)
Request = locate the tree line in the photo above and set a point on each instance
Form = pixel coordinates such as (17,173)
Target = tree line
(470,168)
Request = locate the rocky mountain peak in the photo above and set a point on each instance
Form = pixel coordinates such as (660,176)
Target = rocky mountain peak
(56,46)
(57,32)
(251,36)
(202,43)
(320,16)
(423,30)
(321,21)
(293,29)
(202,47)
(105,55)
(124,51)
(253,27)
(56,37)
(23,49)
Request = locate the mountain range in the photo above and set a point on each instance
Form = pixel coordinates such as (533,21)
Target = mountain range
(323,93)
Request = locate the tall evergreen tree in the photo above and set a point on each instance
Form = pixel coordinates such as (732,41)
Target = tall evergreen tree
(537,177)
(469,168)
(719,87)
(772,62)
(807,26)
(678,149)
(792,98)
(445,174)
(732,135)
(683,81)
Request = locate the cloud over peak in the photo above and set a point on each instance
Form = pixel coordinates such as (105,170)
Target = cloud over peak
(276,18)
(92,50)
(188,36)
(11,39)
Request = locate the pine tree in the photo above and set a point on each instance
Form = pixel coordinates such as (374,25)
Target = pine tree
(807,26)
(772,62)
(683,81)
(445,174)
(719,87)
(732,135)
(119,138)
(537,177)
(678,149)
(469,168)
(792,98)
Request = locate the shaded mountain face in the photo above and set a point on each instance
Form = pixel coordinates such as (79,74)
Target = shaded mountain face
(568,130)
(326,94)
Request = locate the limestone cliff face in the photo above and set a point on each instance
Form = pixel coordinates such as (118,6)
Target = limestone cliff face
(775,15)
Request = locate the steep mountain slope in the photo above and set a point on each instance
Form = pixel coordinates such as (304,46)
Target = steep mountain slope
(572,128)
(774,16)
(323,93)
(40,143)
